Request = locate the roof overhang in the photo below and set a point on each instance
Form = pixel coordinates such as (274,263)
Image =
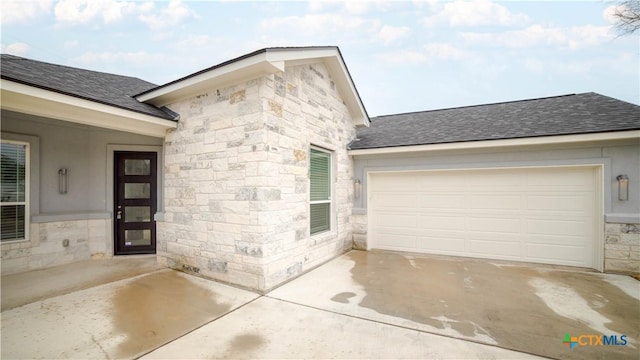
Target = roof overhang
(36,101)
(261,63)
(486,144)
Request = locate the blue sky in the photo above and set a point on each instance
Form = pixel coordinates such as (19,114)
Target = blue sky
(403,55)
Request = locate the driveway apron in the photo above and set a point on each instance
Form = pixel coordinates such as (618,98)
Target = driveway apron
(519,307)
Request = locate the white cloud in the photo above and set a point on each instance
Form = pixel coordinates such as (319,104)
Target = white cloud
(316,24)
(475,13)
(139,57)
(18,49)
(389,34)
(71,44)
(429,53)
(536,35)
(442,51)
(354,7)
(403,57)
(83,11)
(175,13)
(192,41)
(14,11)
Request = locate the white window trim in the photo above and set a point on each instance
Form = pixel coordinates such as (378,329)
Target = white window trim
(331,201)
(27,189)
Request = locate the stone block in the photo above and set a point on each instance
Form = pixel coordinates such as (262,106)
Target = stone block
(630,239)
(630,229)
(613,229)
(622,266)
(611,239)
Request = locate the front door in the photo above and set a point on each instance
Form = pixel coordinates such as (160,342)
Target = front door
(135,202)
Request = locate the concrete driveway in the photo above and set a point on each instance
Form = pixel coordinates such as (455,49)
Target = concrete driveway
(360,305)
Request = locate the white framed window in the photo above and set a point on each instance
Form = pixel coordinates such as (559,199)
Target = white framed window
(14,190)
(320,203)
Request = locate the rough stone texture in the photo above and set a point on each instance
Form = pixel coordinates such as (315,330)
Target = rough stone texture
(45,248)
(622,248)
(236,179)
(359,228)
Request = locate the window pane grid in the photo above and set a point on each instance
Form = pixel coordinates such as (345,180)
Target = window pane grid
(13,190)
(320,191)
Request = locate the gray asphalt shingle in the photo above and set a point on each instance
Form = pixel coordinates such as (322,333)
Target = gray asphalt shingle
(104,88)
(560,115)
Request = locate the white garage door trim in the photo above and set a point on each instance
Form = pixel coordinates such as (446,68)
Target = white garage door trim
(518,210)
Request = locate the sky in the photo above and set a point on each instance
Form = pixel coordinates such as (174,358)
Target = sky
(403,56)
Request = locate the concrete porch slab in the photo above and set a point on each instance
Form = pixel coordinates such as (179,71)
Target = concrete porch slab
(122,319)
(27,287)
(514,306)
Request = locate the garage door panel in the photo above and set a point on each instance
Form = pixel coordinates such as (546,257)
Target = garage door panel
(558,227)
(560,240)
(496,201)
(439,201)
(503,249)
(486,180)
(438,222)
(576,179)
(528,214)
(495,225)
(442,182)
(396,200)
(396,220)
(397,241)
(442,244)
(553,254)
(404,181)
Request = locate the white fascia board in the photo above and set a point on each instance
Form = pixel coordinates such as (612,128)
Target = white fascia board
(235,72)
(544,140)
(35,101)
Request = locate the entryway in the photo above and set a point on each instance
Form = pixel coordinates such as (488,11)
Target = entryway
(135,196)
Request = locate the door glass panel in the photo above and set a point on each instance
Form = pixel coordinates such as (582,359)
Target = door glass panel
(137,237)
(137,214)
(137,167)
(137,190)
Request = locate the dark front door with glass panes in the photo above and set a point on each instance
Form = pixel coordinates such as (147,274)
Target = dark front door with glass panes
(135,202)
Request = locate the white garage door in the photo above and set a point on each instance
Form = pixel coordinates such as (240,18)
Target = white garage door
(543,215)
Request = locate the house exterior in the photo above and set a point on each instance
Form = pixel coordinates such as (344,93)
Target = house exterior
(533,181)
(258,169)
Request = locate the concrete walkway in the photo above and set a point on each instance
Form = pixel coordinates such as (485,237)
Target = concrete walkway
(360,305)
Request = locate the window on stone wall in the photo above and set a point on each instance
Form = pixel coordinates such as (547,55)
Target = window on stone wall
(13,190)
(320,193)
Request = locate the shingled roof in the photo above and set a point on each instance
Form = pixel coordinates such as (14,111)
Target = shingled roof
(104,88)
(561,115)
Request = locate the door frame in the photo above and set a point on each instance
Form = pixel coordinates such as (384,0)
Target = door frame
(110,186)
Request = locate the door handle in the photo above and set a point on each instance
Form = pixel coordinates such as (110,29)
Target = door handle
(119,215)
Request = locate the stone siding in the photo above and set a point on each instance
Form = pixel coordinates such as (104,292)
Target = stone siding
(236,179)
(46,247)
(359,228)
(622,248)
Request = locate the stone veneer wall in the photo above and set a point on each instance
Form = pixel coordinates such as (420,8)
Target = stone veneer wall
(359,229)
(236,179)
(86,238)
(622,248)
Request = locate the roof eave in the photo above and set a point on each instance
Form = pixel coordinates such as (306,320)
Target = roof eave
(261,63)
(530,141)
(23,98)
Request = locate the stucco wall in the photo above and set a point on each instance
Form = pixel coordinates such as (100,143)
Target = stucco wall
(237,179)
(82,215)
(616,157)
